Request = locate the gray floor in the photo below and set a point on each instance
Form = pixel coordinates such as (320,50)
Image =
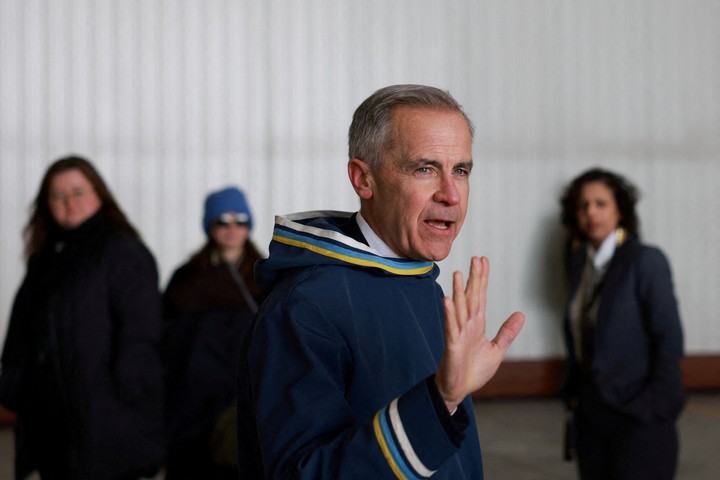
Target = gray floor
(521,440)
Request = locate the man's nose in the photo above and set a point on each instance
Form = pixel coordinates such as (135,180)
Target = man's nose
(447,191)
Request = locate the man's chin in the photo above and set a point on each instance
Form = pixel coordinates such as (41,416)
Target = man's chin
(433,255)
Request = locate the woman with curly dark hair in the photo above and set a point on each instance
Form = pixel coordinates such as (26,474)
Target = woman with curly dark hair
(623,336)
(81,365)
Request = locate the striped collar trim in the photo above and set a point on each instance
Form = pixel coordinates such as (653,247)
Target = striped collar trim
(335,245)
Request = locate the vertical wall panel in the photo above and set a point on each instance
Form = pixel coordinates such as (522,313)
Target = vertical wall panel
(173,98)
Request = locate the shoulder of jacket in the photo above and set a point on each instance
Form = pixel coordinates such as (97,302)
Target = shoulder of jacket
(127,246)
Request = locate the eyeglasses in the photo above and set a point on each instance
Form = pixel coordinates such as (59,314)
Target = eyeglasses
(227,219)
(62,197)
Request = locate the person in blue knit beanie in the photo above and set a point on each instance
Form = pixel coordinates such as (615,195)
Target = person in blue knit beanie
(227,200)
(209,305)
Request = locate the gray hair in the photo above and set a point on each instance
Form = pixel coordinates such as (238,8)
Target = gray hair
(370,126)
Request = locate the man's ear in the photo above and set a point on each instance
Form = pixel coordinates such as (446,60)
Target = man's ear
(361,178)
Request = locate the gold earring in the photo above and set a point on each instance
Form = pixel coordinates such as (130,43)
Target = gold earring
(620,236)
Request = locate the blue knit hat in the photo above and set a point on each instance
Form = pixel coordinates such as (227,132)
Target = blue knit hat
(230,199)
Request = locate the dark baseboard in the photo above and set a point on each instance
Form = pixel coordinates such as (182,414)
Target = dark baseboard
(524,378)
(542,378)
(6,417)
(701,372)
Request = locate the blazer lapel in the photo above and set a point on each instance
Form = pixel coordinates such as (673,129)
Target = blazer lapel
(618,268)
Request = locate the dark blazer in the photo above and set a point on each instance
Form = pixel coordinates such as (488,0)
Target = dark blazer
(638,340)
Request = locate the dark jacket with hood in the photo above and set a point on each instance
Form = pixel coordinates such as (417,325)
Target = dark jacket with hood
(82,348)
(340,371)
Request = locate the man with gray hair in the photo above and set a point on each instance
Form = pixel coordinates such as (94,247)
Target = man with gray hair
(359,367)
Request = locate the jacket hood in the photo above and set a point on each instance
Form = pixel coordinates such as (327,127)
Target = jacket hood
(324,238)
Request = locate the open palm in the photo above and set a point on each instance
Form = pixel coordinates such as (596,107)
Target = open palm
(470,359)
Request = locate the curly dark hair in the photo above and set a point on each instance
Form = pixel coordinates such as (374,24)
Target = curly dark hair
(625,193)
(35,233)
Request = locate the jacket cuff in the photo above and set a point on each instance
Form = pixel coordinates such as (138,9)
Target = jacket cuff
(454,424)
(415,435)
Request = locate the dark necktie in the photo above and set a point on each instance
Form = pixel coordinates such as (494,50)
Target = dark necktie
(587,323)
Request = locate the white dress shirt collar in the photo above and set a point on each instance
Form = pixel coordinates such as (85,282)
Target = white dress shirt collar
(602,255)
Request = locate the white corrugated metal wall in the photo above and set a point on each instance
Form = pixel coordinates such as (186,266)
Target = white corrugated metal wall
(172,98)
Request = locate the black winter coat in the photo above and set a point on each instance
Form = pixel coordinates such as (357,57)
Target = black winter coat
(83,342)
(208,314)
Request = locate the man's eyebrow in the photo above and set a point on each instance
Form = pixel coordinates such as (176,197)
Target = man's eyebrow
(421,162)
(467,165)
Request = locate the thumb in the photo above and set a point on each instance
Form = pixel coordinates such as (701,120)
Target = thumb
(509,330)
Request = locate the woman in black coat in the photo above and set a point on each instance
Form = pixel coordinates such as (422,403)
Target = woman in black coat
(623,335)
(81,365)
(210,305)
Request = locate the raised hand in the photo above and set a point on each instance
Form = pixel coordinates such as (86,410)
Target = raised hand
(470,359)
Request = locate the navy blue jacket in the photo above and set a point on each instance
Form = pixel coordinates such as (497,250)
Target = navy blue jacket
(638,340)
(342,361)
